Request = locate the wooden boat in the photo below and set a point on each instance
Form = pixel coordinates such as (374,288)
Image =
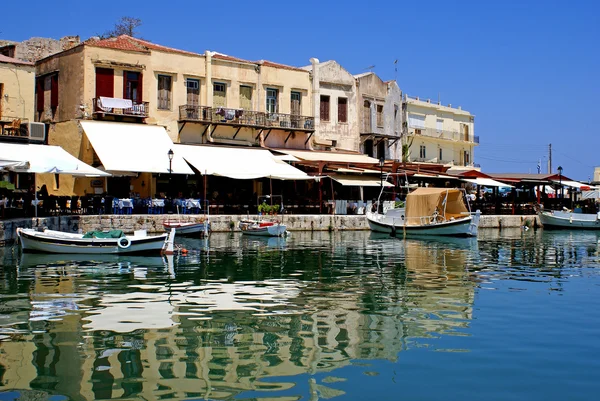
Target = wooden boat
(190,228)
(569,219)
(429,211)
(263,228)
(50,241)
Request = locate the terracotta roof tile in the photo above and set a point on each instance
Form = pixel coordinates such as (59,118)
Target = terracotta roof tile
(5,59)
(220,56)
(128,43)
(268,63)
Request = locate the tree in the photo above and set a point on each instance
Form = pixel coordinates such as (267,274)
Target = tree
(406,150)
(125,26)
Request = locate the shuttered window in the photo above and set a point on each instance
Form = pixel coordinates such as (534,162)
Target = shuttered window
(219,95)
(416,121)
(132,86)
(39,89)
(164,92)
(379,115)
(342,110)
(193,91)
(295,103)
(324,108)
(54,91)
(246,97)
(272,105)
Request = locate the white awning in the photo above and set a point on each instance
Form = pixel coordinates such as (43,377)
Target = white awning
(334,157)
(573,184)
(359,181)
(138,148)
(31,158)
(238,163)
(487,182)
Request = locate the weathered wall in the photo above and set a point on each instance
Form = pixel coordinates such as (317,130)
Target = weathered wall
(38,48)
(17,100)
(334,81)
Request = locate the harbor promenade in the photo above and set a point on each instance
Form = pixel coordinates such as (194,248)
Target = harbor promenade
(221,223)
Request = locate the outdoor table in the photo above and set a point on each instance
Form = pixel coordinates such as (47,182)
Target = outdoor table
(127,204)
(193,204)
(157,205)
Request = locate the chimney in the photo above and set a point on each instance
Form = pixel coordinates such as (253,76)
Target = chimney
(460,107)
(449,104)
(428,100)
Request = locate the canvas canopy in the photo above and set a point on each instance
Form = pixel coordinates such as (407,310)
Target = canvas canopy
(422,203)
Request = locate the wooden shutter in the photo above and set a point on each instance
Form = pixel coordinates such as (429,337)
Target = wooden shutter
(164,89)
(54,91)
(367,126)
(1,97)
(105,82)
(219,96)
(140,92)
(295,103)
(39,88)
(342,110)
(324,112)
(193,92)
(246,97)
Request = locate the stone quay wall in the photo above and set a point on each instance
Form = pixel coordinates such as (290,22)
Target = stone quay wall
(219,223)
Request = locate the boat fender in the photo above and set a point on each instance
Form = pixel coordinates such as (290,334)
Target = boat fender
(571,219)
(124,242)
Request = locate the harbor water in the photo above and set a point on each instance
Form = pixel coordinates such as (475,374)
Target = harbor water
(510,315)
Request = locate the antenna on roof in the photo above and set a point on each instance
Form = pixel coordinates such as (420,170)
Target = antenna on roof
(370,68)
(396,70)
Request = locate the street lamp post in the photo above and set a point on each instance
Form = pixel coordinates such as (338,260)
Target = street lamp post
(560,170)
(170,153)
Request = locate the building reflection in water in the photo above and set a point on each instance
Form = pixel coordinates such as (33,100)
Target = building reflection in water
(224,319)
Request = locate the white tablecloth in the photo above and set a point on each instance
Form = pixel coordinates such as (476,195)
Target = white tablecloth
(158,202)
(190,203)
(110,102)
(125,203)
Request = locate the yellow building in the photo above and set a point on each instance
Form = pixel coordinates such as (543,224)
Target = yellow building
(438,133)
(196,98)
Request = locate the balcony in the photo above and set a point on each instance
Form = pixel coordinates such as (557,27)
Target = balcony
(108,106)
(454,136)
(247,118)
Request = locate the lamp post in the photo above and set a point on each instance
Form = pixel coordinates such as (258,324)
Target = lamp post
(560,170)
(170,153)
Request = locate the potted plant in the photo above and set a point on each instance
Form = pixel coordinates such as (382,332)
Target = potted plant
(261,208)
(275,209)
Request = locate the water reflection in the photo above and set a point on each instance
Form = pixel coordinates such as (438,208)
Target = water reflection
(242,315)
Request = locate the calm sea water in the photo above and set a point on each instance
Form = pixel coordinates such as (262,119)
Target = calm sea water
(507,316)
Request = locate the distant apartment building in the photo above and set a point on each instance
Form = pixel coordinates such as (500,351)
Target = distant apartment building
(379,116)
(439,134)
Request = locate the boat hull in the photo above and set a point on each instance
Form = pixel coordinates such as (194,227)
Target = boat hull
(186,228)
(465,227)
(568,220)
(255,229)
(33,241)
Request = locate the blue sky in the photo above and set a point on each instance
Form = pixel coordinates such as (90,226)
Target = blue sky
(528,70)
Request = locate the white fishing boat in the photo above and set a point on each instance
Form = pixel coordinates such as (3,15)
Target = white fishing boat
(190,228)
(96,242)
(263,228)
(569,219)
(428,211)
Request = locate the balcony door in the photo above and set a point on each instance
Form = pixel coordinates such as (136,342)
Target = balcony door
(193,92)
(132,86)
(105,82)
(466,132)
(367,116)
(219,95)
(246,97)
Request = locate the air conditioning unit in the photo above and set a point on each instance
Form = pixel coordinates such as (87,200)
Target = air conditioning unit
(36,132)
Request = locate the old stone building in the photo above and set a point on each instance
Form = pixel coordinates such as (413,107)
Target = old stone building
(36,48)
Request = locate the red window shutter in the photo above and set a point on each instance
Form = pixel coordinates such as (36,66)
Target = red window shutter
(54,91)
(140,92)
(342,110)
(39,89)
(125,94)
(325,108)
(105,82)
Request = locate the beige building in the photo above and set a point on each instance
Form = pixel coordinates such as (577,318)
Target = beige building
(334,106)
(438,133)
(197,98)
(379,116)
(16,92)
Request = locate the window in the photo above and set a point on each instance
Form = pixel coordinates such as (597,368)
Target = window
(272,106)
(380,115)
(342,110)
(440,155)
(219,94)
(324,111)
(422,152)
(369,147)
(295,103)
(367,116)
(467,157)
(105,82)
(439,125)
(246,97)
(164,92)
(416,121)
(192,87)
(54,92)
(39,89)
(395,114)
(56,181)
(132,86)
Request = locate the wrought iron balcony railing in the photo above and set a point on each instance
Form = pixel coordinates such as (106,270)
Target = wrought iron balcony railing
(258,119)
(112,108)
